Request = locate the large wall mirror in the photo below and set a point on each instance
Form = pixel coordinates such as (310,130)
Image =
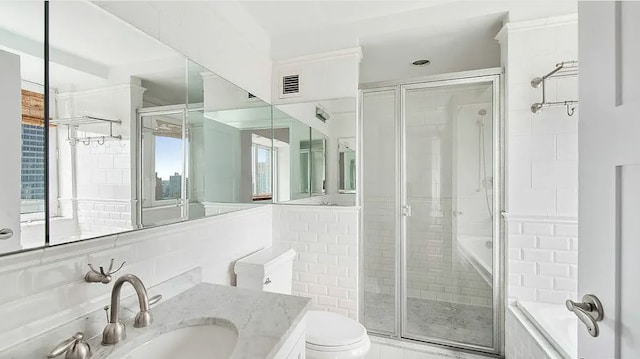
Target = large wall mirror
(137,135)
(307,152)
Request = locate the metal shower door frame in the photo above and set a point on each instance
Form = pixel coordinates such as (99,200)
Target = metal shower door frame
(493,76)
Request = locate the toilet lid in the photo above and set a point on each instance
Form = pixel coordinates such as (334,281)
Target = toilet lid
(331,329)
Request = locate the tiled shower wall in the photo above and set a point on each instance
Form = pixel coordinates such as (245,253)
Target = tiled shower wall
(436,270)
(325,239)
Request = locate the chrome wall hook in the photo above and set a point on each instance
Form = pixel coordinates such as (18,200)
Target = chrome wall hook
(101,276)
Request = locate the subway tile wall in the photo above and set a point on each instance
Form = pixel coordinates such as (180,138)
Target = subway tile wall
(542,258)
(43,289)
(542,178)
(325,239)
(542,162)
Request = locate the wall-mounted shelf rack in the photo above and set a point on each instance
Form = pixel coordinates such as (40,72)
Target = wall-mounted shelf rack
(76,122)
(563,69)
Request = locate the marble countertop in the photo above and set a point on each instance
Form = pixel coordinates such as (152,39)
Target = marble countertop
(263,320)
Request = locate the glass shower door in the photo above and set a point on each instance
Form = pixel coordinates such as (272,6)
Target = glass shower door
(448,213)
(380,227)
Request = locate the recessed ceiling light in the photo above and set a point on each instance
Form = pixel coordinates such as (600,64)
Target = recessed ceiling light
(421,62)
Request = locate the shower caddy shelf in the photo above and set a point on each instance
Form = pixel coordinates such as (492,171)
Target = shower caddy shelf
(78,121)
(563,69)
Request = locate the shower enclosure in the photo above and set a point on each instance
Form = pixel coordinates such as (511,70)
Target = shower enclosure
(431,198)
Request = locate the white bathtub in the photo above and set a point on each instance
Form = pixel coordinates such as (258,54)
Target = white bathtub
(478,250)
(556,323)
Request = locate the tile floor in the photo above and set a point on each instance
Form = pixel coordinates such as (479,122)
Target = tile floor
(428,318)
(382,348)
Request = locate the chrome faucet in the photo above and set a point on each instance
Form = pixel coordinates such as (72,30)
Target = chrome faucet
(115,330)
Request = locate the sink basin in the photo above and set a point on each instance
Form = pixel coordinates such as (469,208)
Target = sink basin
(194,342)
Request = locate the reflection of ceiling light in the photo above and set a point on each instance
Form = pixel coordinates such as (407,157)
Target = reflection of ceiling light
(421,63)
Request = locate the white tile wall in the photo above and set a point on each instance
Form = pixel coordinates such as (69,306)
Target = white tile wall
(94,180)
(542,258)
(542,180)
(542,162)
(43,289)
(523,341)
(326,241)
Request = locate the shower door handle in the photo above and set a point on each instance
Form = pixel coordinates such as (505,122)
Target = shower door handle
(589,311)
(406,211)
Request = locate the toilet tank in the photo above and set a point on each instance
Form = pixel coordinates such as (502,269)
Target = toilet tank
(270,270)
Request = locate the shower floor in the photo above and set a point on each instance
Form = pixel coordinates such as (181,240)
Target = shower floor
(433,319)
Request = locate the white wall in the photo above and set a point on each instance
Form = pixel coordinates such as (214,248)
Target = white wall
(10,103)
(322,76)
(218,36)
(542,162)
(43,289)
(222,163)
(326,242)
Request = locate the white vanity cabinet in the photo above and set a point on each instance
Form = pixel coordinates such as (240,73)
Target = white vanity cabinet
(294,346)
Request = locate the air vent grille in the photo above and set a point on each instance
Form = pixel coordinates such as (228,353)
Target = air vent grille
(290,84)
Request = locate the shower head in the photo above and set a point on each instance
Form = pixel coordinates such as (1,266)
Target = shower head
(482,112)
(536,81)
(536,107)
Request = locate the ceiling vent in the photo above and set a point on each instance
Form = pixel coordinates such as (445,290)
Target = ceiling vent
(290,85)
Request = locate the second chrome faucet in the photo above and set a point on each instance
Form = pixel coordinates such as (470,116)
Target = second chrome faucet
(115,331)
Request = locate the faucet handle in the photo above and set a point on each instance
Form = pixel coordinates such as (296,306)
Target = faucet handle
(74,347)
(101,276)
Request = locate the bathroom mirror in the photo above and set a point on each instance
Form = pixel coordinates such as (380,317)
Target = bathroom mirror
(312,159)
(22,184)
(230,146)
(103,74)
(143,136)
(347,165)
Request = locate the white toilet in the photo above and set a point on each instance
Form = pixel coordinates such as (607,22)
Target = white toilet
(329,335)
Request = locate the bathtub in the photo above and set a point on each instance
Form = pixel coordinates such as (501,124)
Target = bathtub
(478,250)
(558,325)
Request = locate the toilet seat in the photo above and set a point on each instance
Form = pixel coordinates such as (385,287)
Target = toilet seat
(326,329)
(334,336)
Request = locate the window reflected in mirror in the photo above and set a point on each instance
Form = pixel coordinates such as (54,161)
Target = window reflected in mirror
(162,167)
(230,147)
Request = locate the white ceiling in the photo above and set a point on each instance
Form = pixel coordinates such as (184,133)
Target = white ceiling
(89,47)
(454,35)
(285,17)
